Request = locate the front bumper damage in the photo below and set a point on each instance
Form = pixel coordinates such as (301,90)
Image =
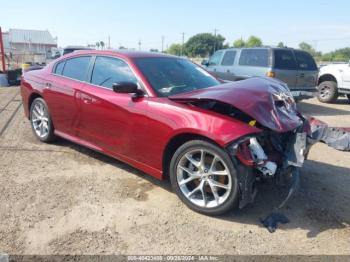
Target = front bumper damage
(292,149)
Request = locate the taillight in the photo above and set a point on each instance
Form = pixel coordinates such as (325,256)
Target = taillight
(270,74)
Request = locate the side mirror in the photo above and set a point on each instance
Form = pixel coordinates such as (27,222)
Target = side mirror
(127,88)
(205,62)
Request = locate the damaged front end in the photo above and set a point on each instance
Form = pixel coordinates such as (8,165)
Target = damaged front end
(280,155)
(286,136)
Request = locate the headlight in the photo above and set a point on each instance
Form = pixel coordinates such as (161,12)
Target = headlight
(284,99)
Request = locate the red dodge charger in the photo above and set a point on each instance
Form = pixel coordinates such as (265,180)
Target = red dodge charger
(171,119)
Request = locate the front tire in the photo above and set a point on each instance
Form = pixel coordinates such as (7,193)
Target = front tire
(204,177)
(327,92)
(40,121)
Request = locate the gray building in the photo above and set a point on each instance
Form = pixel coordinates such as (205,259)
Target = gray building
(22,45)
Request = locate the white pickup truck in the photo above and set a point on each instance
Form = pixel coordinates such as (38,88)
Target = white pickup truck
(333,80)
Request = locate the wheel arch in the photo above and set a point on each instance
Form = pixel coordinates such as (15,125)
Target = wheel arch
(32,97)
(174,143)
(327,77)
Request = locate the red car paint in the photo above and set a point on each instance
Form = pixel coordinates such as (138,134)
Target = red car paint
(136,131)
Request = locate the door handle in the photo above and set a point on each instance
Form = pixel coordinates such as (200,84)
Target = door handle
(302,75)
(214,69)
(228,71)
(87,100)
(48,85)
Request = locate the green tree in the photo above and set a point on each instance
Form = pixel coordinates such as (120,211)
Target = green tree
(239,43)
(306,47)
(281,45)
(339,55)
(98,45)
(174,49)
(253,41)
(203,44)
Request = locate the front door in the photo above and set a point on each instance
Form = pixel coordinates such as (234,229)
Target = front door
(226,70)
(108,118)
(346,76)
(214,63)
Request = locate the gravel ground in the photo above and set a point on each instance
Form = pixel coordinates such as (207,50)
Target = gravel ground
(66,199)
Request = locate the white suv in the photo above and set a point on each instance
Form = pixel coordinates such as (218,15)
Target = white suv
(333,80)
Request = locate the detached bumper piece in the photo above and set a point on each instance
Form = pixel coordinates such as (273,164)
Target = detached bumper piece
(336,137)
(313,131)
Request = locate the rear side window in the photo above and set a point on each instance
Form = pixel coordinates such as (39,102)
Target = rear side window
(216,58)
(229,58)
(284,59)
(254,57)
(76,68)
(305,61)
(109,70)
(59,68)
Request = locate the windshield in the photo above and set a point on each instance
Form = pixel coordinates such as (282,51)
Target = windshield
(171,76)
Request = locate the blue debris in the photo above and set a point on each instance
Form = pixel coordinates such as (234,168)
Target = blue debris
(271,221)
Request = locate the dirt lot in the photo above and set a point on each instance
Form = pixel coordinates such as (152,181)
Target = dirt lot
(66,199)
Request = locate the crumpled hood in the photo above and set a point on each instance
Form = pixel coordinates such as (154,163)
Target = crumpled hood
(267,100)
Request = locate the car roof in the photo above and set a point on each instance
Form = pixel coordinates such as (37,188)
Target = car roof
(261,47)
(120,53)
(77,47)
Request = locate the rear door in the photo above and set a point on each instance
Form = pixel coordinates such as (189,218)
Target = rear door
(226,69)
(214,63)
(285,67)
(307,70)
(61,94)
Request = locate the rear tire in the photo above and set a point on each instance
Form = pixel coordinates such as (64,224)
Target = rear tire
(328,92)
(41,122)
(204,177)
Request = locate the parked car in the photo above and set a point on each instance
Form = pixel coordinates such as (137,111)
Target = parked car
(334,81)
(70,49)
(294,67)
(172,119)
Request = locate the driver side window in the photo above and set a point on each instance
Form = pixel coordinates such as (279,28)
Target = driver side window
(215,59)
(109,70)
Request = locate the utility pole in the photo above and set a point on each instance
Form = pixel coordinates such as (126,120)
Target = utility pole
(162,43)
(215,31)
(183,43)
(109,42)
(2,52)
(139,44)
(315,44)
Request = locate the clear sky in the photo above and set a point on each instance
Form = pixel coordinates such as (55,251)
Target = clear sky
(324,24)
